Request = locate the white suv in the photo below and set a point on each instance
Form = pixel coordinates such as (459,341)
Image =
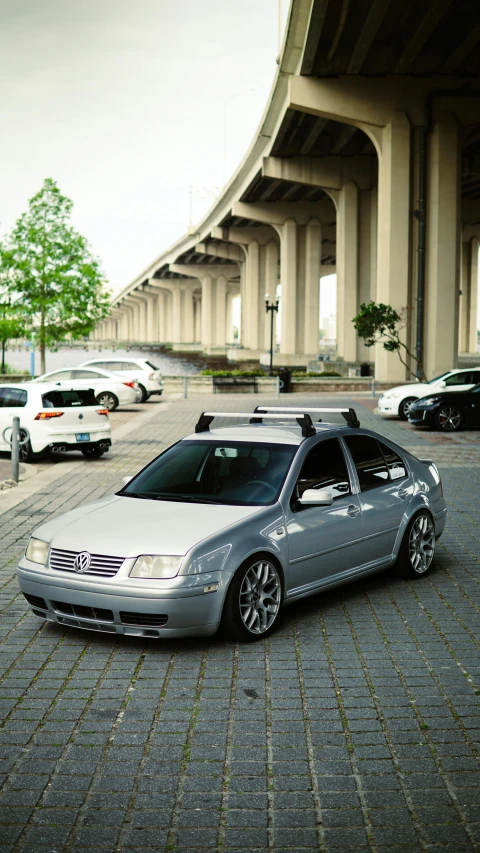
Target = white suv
(147,375)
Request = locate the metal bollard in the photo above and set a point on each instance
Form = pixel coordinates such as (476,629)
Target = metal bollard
(185,387)
(15,448)
(278,385)
(373,387)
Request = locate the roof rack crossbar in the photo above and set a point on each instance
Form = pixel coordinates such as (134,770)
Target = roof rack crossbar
(304,420)
(306,424)
(349,414)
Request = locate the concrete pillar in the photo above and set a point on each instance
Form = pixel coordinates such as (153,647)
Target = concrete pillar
(347,270)
(252,297)
(394,223)
(152,318)
(187,330)
(366,260)
(288,279)
(469,297)
(443,247)
(176,316)
(229,318)
(198,319)
(313,248)
(220,311)
(169,316)
(207,311)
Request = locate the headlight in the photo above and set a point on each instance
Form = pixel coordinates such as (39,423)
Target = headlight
(37,551)
(428,401)
(214,561)
(151,566)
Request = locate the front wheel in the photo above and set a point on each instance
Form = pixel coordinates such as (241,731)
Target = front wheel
(405,406)
(448,418)
(107,400)
(418,546)
(253,601)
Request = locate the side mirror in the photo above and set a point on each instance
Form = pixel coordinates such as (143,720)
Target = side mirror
(316,497)
(126,480)
(442,384)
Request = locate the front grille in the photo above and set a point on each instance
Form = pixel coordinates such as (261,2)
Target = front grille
(83,612)
(100,565)
(35,601)
(144,620)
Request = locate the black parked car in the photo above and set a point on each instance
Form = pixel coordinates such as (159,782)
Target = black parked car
(447,410)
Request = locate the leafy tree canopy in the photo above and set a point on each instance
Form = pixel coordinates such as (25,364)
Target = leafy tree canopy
(380,323)
(50,266)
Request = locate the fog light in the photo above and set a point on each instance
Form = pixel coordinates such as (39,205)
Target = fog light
(212,587)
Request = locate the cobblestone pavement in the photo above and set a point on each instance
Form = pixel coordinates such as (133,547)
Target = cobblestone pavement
(356,726)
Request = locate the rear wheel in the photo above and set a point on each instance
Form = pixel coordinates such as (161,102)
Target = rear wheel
(93,452)
(253,602)
(107,400)
(143,390)
(25,452)
(418,546)
(448,418)
(404,407)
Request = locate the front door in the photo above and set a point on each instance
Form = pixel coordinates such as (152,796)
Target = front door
(323,540)
(386,486)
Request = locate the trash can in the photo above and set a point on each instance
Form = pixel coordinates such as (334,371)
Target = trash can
(365,369)
(285,376)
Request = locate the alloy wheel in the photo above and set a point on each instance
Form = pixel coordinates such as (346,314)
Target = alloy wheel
(449,418)
(421,544)
(260,597)
(405,406)
(108,401)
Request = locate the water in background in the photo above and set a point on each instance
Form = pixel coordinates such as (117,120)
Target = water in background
(170,365)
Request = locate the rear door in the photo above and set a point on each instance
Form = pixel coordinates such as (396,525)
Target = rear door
(386,486)
(323,540)
(126,369)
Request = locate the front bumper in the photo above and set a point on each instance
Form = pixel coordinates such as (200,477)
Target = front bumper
(422,417)
(388,407)
(145,612)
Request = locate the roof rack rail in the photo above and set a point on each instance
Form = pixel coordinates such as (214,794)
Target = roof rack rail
(350,415)
(303,419)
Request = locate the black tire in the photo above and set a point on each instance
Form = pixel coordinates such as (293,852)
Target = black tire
(93,452)
(25,452)
(404,407)
(448,418)
(418,546)
(238,610)
(107,400)
(144,397)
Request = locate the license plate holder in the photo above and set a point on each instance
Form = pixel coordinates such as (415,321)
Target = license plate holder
(82,436)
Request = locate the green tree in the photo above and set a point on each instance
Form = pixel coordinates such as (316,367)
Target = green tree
(380,323)
(51,268)
(12,325)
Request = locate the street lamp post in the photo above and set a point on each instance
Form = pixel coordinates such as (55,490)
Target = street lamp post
(271,307)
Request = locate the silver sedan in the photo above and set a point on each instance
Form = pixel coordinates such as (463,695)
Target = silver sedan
(230,524)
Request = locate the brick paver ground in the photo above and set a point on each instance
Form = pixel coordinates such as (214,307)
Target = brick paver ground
(356,726)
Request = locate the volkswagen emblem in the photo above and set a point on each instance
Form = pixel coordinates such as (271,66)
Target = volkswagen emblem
(82,562)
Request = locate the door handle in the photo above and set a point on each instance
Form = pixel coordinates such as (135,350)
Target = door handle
(402,493)
(353,510)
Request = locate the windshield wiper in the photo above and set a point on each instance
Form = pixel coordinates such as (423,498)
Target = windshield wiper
(136,495)
(162,496)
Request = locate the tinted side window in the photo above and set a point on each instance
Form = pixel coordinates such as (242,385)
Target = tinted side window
(476,376)
(116,366)
(13,398)
(325,468)
(459,379)
(86,374)
(368,459)
(395,464)
(59,376)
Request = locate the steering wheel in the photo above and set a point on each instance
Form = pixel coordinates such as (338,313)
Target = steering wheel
(262,483)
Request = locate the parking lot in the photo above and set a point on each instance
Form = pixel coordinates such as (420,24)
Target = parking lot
(355,726)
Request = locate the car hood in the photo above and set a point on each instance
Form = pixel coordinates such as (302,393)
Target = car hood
(127,527)
(420,389)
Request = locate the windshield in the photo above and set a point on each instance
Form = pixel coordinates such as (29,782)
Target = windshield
(229,472)
(437,378)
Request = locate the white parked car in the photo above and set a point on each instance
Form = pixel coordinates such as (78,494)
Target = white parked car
(396,402)
(148,376)
(110,390)
(53,418)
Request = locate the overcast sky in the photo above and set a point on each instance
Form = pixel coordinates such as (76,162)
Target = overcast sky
(122,102)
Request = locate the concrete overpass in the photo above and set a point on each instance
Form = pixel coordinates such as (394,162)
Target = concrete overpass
(367,162)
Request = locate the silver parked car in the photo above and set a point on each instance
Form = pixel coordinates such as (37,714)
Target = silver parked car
(230,524)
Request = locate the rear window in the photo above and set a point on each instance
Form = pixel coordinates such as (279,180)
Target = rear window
(68,399)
